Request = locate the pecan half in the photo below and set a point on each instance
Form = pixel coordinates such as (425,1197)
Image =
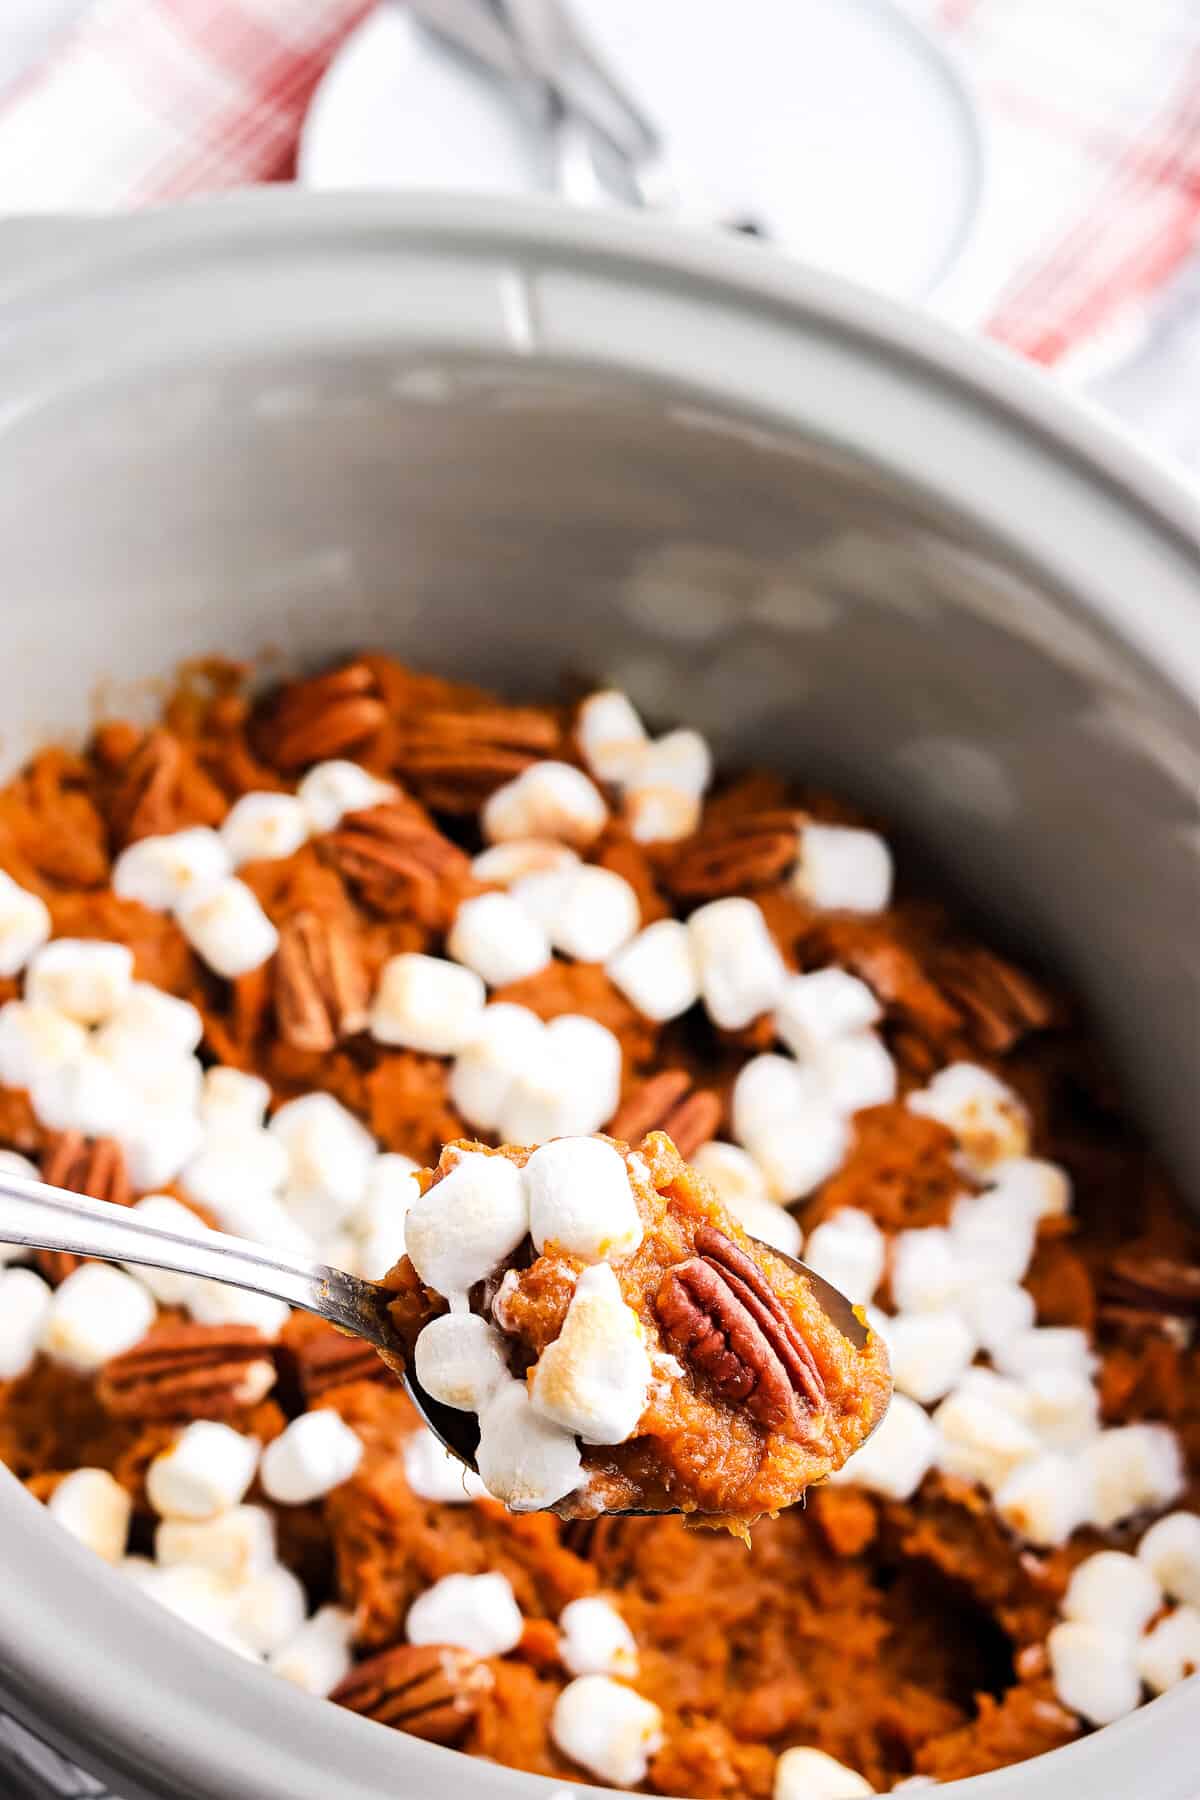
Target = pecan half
(455,759)
(324,716)
(188,1372)
(321,988)
(93,1166)
(1000,1003)
(668,1102)
(734,855)
(142,804)
(720,1310)
(399,863)
(432,1691)
(1153,1283)
(328,1359)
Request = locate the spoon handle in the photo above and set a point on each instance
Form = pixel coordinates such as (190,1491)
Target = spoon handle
(50,1218)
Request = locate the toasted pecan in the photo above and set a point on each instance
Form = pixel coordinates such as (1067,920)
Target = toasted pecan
(455,759)
(734,855)
(92,1166)
(398,862)
(999,1002)
(321,988)
(324,1358)
(323,716)
(722,1315)
(186,1371)
(432,1691)
(669,1102)
(1150,1282)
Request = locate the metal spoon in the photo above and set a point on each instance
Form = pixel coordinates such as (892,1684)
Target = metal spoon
(41,1217)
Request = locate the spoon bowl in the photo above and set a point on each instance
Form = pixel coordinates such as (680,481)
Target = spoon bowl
(40,1217)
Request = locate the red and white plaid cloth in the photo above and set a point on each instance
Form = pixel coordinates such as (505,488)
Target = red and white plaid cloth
(1093,108)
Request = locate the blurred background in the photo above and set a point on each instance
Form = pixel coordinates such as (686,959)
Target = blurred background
(1026,169)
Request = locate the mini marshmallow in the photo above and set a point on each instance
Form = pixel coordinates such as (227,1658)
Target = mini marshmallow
(216,1303)
(929,1352)
(679,761)
(150,1024)
(270,1608)
(435,1473)
(842,869)
(1170,1550)
(504,864)
(87,1095)
(264,827)
(768,1090)
(1094,1671)
(897,1456)
(503,1040)
(330,790)
(547,800)
(1010,1396)
(522,1458)
(1045,1499)
(1045,1347)
(329,1152)
(497,938)
(241,1160)
(990,1122)
(607,1729)
(202,1598)
(857,1071)
(467,1223)
(769,1221)
(24,925)
(849,1250)
(588,913)
(991,1237)
(166,1086)
(660,815)
(580,1200)
(165,872)
(569,1086)
(95,1509)
(1133,1468)
(389,1193)
(236,1544)
(24,1306)
(806,1774)
(157,1147)
(95,1313)
(981,1441)
(816,1009)
(232,1100)
(473,1612)
(803,1151)
(1171,1652)
(317,1656)
(34,1040)
(168,1287)
(594,1378)
(656,971)
(1040,1189)
(311,1457)
(996,1311)
(206,1471)
(1064,1407)
(461,1360)
(926,1274)
(595,1640)
(426,1003)
(611,735)
(741,971)
(1113,1590)
(228,929)
(264,1219)
(83,978)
